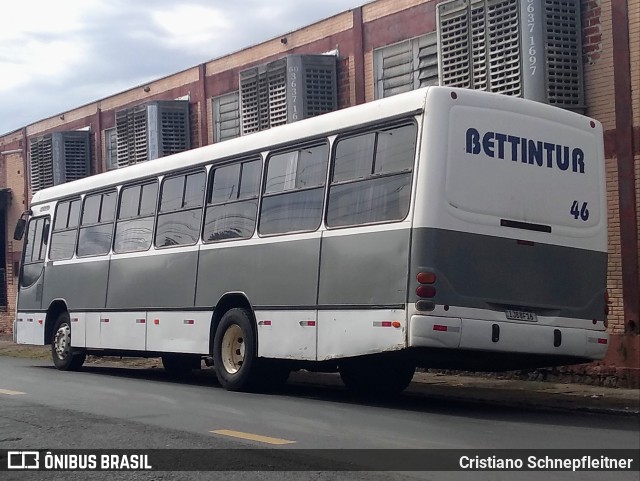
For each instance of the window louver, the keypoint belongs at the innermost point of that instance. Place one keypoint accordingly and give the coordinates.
(58, 157)
(226, 116)
(153, 130)
(406, 65)
(428, 60)
(286, 90)
(485, 44)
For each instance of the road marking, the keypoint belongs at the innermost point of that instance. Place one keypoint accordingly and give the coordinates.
(252, 437)
(11, 393)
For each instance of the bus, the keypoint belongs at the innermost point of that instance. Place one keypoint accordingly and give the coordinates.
(441, 228)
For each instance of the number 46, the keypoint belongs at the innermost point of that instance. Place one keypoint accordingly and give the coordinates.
(576, 211)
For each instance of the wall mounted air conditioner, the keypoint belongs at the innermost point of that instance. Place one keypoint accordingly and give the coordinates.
(152, 130)
(526, 48)
(292, 88)
(59, 157)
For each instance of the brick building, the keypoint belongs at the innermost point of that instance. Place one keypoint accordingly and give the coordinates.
(382, 48)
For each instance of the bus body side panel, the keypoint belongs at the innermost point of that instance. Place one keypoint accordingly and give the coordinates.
(363, 275)
(29, 328)
(81, 283)
(279, 277)
(162, 279)
(271, 274)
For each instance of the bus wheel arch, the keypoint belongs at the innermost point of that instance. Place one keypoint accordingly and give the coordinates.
(230, 300)
(56, 308)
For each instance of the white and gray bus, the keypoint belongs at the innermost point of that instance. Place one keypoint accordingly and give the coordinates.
(443, 228)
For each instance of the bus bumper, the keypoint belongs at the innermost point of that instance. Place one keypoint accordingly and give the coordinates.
(507, 337)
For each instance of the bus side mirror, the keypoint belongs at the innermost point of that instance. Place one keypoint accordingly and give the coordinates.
(19, 232)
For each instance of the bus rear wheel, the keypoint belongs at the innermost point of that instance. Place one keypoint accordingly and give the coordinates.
(65, 357)
(235, 351)
(376, 376)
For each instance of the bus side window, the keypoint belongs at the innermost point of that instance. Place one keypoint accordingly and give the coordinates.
(96, 224)
(180, 213)
(294, 190)
(65, 228)
(232, 204)
(371, 180)
(34, 250)
(136, 213)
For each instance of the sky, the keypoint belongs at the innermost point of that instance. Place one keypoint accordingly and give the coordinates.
(58, 55)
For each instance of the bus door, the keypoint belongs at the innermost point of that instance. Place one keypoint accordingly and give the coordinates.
(32, 271)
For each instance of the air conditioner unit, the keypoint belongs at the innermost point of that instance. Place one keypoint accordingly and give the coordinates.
(59, 157)
(152, 130)
(526, 48)
(292, 88)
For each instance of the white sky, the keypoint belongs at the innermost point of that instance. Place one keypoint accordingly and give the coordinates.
(57, 55)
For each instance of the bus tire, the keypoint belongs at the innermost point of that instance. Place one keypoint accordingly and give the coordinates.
(374, 376)
(180, 364)
(235, 351)
(65, 357)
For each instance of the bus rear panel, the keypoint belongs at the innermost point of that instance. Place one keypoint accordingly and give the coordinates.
(509, 249)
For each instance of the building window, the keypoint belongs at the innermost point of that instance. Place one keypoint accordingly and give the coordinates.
(406, 65)
(226, 116)
(110, 149)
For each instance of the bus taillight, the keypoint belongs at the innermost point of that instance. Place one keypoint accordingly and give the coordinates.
(426, 291)
(426, 277)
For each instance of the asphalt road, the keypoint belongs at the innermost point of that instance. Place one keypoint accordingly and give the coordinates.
(108, 407)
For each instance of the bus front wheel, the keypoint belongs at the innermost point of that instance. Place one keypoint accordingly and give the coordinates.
(65, 357)
(376, 375)
(235, 351)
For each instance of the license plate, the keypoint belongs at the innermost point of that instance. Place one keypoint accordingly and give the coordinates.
(521, 316)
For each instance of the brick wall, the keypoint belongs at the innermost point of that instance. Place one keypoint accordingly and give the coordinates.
(14, 178)
(344, 86)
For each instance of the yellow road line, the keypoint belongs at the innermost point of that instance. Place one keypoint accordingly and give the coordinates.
(11, 393)
(252, 437)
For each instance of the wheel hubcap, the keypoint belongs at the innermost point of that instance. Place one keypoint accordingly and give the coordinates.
(233, 348)
(62, 341)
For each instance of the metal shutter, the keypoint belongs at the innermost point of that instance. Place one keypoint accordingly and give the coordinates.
(428, 60)
(394, 69)
(277, 95)
(503, 55)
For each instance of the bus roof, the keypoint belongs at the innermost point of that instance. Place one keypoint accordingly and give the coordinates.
(403, 104)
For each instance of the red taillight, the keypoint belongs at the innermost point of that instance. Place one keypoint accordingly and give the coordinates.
(438, 327)
(425, 291)
(426, 277)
